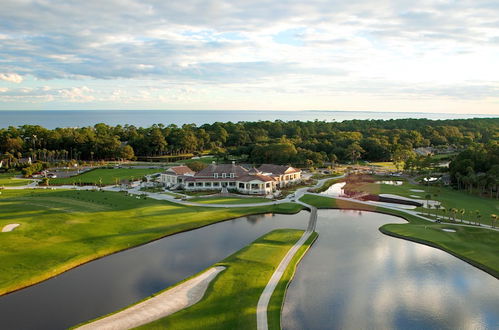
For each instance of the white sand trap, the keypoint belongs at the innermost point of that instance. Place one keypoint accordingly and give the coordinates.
(415, 196)
(391, 182)
(416, 190)
(164, 304)
(335, 190)
(449, 230)
(10, 227)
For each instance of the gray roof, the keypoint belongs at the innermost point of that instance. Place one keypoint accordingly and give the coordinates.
(222, 168)
(277, 169)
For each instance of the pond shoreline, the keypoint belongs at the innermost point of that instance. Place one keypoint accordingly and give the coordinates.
(42, 278)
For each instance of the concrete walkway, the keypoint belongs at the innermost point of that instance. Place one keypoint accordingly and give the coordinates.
(164, 304)
(263, 302)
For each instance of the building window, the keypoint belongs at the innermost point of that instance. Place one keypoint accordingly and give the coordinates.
(216, 184)
(232, 175)
(232, 184)
(199, 184)
(241, 185)
(191, 184)
(224, 175)
(207, 184)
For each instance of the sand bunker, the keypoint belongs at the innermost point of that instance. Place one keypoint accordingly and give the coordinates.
(449, 230)
(335, 190)
(417, 190)
(10, 227)
(164, 304)
(415, 196)
(390, 182)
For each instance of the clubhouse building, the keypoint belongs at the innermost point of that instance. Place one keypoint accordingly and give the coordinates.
(263, 180)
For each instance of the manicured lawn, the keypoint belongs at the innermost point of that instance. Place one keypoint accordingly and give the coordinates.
(477, 246)
(7, 180)
(448, 197)
(61, 229)
(231, 299)
(230, 200)
(108, 176)
(387, 165)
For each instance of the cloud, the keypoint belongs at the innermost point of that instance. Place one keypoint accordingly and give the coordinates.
(11, 77)
(289, 46)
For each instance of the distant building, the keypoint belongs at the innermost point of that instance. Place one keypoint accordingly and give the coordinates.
(424, 151)
(262, 181)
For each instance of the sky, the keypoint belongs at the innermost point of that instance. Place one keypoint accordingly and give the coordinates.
(370, 55)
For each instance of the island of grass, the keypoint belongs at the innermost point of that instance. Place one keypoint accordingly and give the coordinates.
(10, 180)
(477, 246)
(61, 229)
(105, 176)
(229, 200)
(231, 299)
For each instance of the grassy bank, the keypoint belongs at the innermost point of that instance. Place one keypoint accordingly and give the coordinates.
(231, 299)
(105, 176)
(9, 180)
(477, 246)
(61, 229)
(277, 299)
(230, 200)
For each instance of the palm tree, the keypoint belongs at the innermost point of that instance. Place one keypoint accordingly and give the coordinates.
(437, 207)
(478, 216)
(462, 211)
(444, 211)
(453, 211)
(427, 197)
(494, 219)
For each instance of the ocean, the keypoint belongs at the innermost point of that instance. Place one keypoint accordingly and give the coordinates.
(144, 118)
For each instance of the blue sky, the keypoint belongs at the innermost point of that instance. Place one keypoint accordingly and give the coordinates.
(428, 56)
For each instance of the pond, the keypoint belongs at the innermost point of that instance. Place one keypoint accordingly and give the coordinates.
(113, 282)
(354, 277)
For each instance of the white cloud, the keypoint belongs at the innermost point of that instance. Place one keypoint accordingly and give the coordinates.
(11, 77)
(352, 48)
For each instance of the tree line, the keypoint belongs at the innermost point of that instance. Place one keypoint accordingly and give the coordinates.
(294, 142)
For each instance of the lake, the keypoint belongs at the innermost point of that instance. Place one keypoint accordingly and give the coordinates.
(354, 277)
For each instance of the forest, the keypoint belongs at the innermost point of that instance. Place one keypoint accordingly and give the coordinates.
(295, 142)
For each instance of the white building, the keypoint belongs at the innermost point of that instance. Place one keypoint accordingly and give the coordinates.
(175, 175)
(262, 181)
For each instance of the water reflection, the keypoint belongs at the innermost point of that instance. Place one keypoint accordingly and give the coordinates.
(111, 283)
(354, 277)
